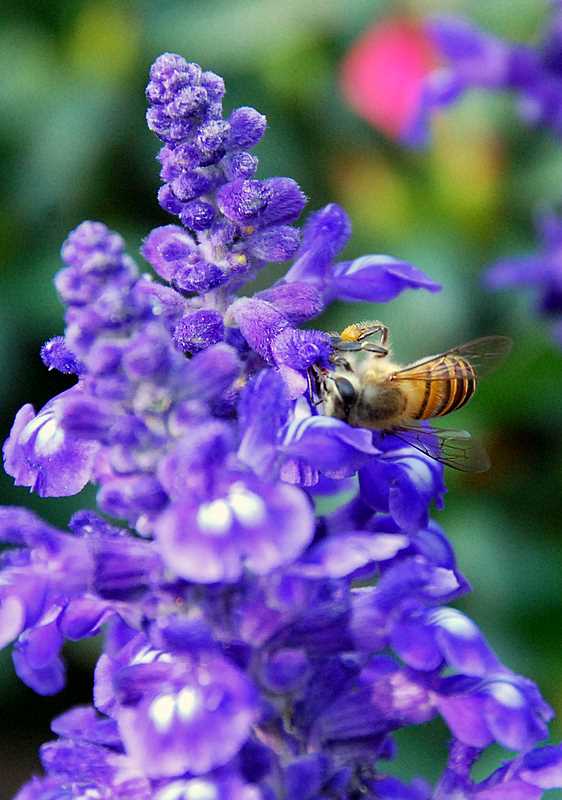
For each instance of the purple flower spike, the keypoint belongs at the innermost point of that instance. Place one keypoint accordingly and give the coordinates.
(540, 272)
(475, 59)
(253, 647)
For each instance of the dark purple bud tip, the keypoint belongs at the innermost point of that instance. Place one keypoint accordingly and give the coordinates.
(243, 200)
(239, 165)
(189, 185)
(197, 215)
(276, 243)
(198, 278)
(56, 354)
(197, 331)
(168, 201)
(247, 126)
(164, 247)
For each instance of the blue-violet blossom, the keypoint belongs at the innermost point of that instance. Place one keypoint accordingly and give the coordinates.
(252, 649)
(473, 59)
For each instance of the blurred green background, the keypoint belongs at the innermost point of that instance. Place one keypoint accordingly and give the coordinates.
(75, 146)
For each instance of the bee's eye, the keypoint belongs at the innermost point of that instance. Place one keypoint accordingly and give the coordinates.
(346, 391)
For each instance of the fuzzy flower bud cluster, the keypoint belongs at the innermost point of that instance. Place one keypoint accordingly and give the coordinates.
(253, 649)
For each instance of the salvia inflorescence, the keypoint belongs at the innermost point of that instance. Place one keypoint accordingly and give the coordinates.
(253, 649)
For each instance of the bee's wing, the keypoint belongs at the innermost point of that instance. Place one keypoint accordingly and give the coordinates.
(456, 449)
(484, 355)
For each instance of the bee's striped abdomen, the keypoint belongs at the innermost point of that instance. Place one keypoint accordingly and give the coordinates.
(441, 396)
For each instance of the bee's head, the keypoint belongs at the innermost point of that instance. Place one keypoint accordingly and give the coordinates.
(339, 395)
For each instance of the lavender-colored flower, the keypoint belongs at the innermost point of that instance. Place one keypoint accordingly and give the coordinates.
(252, 648)
(474, 59)
(540, 272)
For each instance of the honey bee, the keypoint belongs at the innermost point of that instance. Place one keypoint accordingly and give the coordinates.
(367, 389)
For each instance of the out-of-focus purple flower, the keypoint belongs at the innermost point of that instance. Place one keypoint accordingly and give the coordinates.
(474, 59)
(540, 272)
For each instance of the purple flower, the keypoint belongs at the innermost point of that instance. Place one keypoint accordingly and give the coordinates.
(177, 717)
(540, 272)
(403, 482)
(40, 454)
(253, 648)
(244, 522)
(477, 60)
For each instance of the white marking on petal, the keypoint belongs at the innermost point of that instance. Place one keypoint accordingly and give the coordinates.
(405, 693)
(146, 655)
(49, 439)
(418, 469)
(189, 700)
(161, 712)
(215, 518)
(507, 695)
(248, 508)
(172, 792)
(456, 623)
(33, 425)
(198, 789)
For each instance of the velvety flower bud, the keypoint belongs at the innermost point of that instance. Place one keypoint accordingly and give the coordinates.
(259, 322)
(197, 215)
(239, 165)
(197, 277)
(168, 201)
(247, 126)
(189, 185)
(56, 354)
(197, 331)
(275, 243)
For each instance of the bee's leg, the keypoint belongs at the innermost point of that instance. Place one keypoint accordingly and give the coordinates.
(357, 346)
(372, 329)
(359, 331)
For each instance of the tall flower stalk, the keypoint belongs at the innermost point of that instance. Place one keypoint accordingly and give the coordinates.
(253, 649)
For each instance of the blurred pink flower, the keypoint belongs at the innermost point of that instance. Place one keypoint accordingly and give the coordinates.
(383, 72)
